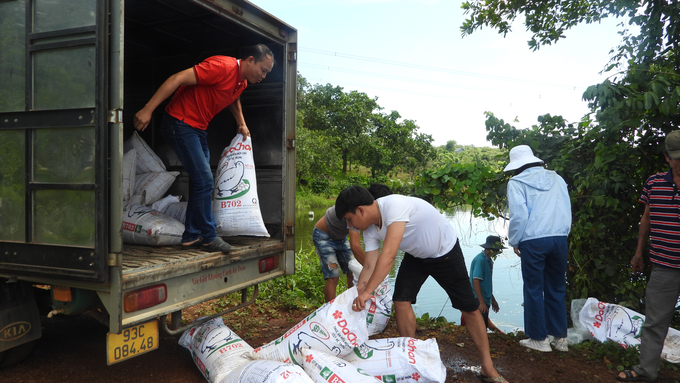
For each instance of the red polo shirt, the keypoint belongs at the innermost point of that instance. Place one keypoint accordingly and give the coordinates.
(219, 85)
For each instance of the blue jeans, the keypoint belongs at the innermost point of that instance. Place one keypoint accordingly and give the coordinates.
(662, 292)
(191, 147)
(544, 268)
(332, 251)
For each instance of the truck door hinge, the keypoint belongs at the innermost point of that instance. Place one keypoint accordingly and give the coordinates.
(290, 229)
(290, 143)
(115, 259)
(292, 56)
(116, 116)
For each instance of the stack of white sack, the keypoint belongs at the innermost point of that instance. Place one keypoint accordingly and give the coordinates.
(333, 328)
(215, 349)
(151, 181)
(331, 345)
(608, 321)
(145, 226)
(380, 307)
(222, 357)
(236, 205)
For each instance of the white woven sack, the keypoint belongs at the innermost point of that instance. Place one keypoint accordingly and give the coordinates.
(215, 349)
(380, 305)
(267, 371)
(129, 171)
(176, 210)
(324, 368)
(163, 202)
(154, 185)
(145, 226)
(400, 360)
(333, 328)
(147, 160)
(236, 206)
(609, 321)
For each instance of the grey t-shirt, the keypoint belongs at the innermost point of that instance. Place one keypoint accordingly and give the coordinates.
(337, 227)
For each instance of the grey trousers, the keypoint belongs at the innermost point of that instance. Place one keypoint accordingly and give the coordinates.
(661, 297)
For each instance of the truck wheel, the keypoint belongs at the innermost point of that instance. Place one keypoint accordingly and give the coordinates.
(15, 355)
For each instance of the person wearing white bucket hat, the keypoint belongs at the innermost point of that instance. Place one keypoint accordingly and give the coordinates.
(540, 220)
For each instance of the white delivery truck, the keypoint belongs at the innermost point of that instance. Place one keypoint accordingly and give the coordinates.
(73, 73)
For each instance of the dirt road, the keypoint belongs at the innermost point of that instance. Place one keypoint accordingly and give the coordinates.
(73, 350)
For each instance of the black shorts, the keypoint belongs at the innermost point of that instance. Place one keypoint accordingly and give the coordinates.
(448, 270)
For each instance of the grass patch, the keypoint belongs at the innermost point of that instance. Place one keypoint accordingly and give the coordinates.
(304, 289)
(310, 201)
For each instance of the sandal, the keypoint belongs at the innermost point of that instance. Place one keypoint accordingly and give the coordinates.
(217, 245)
(489, 379)
(629, 377)
(193, 245)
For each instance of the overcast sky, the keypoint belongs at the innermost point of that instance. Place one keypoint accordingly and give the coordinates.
(412, 57)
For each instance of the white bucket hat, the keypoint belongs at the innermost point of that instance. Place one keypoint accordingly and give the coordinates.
(519, 156)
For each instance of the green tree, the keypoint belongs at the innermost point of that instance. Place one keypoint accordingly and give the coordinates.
(345, 117)
(389, 144)
(314, 154)
(605, 157)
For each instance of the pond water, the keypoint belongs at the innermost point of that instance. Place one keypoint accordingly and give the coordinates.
(472, 232)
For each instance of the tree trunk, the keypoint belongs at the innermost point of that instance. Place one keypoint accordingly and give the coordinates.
(344, 161)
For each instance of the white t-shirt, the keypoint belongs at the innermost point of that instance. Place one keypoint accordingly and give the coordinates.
(428, 233)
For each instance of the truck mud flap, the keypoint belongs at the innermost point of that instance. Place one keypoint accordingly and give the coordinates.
(19, 317)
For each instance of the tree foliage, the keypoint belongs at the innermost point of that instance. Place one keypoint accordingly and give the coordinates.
(335, 127)
(314, 154)
(343, 116)
(606, 157)
(389, 144)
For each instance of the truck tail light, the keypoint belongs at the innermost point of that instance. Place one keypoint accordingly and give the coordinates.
(268, 264)
(144, 298)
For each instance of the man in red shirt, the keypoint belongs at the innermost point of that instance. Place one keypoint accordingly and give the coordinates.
(200, 93)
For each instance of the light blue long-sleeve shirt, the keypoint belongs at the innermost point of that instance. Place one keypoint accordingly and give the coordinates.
(539, 206)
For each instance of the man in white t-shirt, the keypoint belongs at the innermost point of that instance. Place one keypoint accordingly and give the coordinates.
(431, 249)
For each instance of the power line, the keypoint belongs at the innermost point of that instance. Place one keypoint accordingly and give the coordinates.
(435, 69)
(416, 80)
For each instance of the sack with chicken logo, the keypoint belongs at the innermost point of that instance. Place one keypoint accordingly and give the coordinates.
(236, 205)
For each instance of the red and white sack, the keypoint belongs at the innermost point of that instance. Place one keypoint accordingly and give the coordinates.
(324, 368)
(236, 206)
(145, 226)
(380, 306)
(333, 328)
(608, 321)
(147, 160)
(400, 360)
(267, 371)
(215, 349)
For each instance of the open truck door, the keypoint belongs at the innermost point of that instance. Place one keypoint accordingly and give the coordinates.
(53, 138)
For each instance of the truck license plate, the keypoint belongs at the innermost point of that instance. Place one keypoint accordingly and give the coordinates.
(132, 342)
